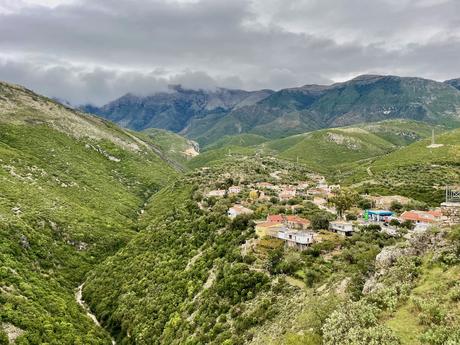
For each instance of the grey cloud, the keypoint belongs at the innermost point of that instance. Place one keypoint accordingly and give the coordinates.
(99, 85)
(96, 50)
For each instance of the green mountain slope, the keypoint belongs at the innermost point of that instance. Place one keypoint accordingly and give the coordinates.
(416, 171)
(174, 146)
(208, 116)
(174, 109)
(71, 189)
(192, 276)
(242, 140)
(327, 148)
(366, 98)
(184, 279)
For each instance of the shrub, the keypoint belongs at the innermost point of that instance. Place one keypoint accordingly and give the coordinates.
(396, 206)
(454, 293)
(395, 222)
(350, 216)
(356, 323)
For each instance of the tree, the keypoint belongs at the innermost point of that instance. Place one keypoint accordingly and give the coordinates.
(396, 206)
(344, 200)
(364, 204)
(3, 338)
(274, 258)
(253, 194)
(351, 216)
(319, 222)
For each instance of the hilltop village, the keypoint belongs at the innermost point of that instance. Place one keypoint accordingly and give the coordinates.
(299, 208)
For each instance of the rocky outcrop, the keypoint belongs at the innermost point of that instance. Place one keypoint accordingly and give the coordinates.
(416, 246)
(451, 211)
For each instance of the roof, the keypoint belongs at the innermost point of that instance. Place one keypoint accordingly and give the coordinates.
(240, 208)
(380, 212)
(435, 213)
(275, 218)
(421, 216)
(342, 222)
(297, 219)
(269, 224)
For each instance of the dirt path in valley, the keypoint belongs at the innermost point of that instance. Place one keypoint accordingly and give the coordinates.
(80, 301)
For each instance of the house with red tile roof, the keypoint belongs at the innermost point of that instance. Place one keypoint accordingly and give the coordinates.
(297, 222)
(291, 221)
(421, 216)
(275, 218)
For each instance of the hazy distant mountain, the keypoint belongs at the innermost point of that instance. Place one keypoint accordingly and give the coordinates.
(454, 82)
(173, 110)
(207, 116)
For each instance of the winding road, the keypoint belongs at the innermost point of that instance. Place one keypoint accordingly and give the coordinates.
(80, 301)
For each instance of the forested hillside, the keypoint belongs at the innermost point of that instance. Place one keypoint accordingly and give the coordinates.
(70, 193)
(194, 276)
(161, 260)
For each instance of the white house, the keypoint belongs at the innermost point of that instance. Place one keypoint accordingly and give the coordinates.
(266, 185)
(287, 194)
(234, 190)
(342, 228)
(237, 210)
(302, 185)
(296, 239)
(217, 192)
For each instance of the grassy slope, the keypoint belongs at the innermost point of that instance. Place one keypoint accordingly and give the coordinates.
(242, 140)
(324, 148)
(435, 284)
(415, 170)
(212, 157)
(64, 207)
(334, 146)
(171, 144)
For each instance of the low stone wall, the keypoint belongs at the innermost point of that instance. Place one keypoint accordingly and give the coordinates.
(451, 210)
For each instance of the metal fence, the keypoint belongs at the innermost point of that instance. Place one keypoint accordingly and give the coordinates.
(452, 193)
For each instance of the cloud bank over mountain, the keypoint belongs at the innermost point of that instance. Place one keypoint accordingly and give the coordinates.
(96, 50)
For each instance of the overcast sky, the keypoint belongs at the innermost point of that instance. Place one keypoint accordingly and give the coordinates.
(96, 50)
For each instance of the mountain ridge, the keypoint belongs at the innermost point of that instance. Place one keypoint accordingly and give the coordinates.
(208, 116)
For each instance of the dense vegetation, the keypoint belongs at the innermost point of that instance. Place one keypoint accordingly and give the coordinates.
(161, 261)
(175, 147)
(66, 203)
(182, 280)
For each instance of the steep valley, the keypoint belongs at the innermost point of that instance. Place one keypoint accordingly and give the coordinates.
(137, 230)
